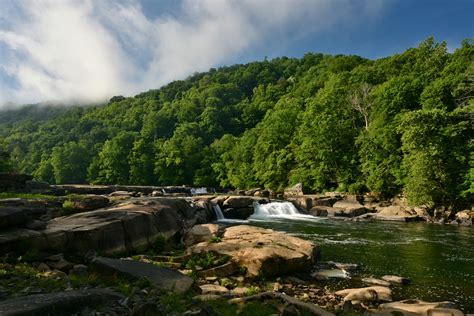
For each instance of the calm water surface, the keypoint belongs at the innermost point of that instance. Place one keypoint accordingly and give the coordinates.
(439, 259)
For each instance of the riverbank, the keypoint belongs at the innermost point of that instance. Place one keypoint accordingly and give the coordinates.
(49, 245)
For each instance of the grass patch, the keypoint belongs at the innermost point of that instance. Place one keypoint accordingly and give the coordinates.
(205, 261)
(215, 239)
(11, 195)
(69, 207)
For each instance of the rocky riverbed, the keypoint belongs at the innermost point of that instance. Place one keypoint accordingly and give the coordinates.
(154, 252)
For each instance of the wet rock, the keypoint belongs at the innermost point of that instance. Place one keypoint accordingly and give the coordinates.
(56, 257)
(67, 302)
(330, 273)
(200, 233)
(396, 279)
(262, 251)
(366, 294)
(157, 193)
(376, 281)
(238, 213)
(417, 307)
(242, 201)
(161, 278)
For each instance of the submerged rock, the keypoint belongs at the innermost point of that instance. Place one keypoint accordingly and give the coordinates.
(262, 251)
(376, 281)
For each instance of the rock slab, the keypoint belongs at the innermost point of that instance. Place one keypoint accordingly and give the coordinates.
(62, 303)
(262, 251)
(159, 277)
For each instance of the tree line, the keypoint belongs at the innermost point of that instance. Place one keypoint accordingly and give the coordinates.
(400, 124)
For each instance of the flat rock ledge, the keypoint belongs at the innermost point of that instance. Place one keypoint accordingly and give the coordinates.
(159, 277)
(126, 227)
(416, 308)
(261, 251)
(62, 303)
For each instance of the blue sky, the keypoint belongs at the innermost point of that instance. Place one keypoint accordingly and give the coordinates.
(87, 50)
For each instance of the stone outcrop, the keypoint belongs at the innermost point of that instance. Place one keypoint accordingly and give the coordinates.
(62, 303)
(262, 251)
(126, 227)
(159, 277)
(296, 190)
(200, 233)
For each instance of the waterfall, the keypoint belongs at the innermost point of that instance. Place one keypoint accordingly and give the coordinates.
(218, 212)
(278, 210)
(198, 191)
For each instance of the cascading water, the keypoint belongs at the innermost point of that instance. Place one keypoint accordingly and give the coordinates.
(218, 212)
(195, 191)
(277, 210)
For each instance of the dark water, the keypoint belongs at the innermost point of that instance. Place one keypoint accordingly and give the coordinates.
(438, 259)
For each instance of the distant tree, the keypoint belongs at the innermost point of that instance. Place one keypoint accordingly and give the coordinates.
(69, 163)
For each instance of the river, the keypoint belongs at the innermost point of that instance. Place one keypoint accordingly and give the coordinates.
(439, 259)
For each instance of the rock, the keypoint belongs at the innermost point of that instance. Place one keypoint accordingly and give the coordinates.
(207, 297)
(36, 225)
(330, 273)
(296, 190)
(325, 201)
(224, 270)
(262, 251)
(238, 213)
(366, 294)
(375, 281)
(239, 291)
(277, 287)
(417, 307)
(213, 289)
(262, 193)
(350, 207)
(56, 257)
(200, 233)
(325, 211)
(126, 227)
(14, 181)
(63, 265)
(148, 308)
(307, 308)
(67, 302)
(43, 267)
(242, 201)
(79, 270)
(161, 278)
(122, 194)
(396, 279)
(157, 193)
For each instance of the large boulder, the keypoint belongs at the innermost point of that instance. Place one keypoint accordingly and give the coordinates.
(350, 207)
(88, 203)
(125, 227)
(14, 181)
(159, 277)
(417, 307)
(366, 294)
(16, 212)
(296, 190)
(200, 233)
(61, 303)
(262, 251)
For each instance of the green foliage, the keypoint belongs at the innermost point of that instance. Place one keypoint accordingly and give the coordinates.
(215, 239)
(68, 207)
(330, 122)
(205, 260)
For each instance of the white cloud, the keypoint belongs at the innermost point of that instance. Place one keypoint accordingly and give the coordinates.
(71, 50)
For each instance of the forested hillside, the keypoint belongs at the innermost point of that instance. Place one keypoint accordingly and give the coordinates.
(402, 124)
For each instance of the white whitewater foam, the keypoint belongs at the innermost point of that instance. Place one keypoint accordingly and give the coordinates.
(278, 210)
(218, 212)
(199, 191)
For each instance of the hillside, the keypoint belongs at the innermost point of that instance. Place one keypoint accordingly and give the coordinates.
(401, 124)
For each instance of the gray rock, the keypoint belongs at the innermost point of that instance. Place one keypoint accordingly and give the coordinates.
(79, 270)
(62, 303)
(36, 225)
(63, 265)
(161, 278)
(376, 281)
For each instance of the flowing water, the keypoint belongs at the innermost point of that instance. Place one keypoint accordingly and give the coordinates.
(439, 259)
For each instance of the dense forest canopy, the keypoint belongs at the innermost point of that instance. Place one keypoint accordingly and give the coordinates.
(401, 124)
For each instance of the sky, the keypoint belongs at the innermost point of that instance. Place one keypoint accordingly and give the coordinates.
(82, 51)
